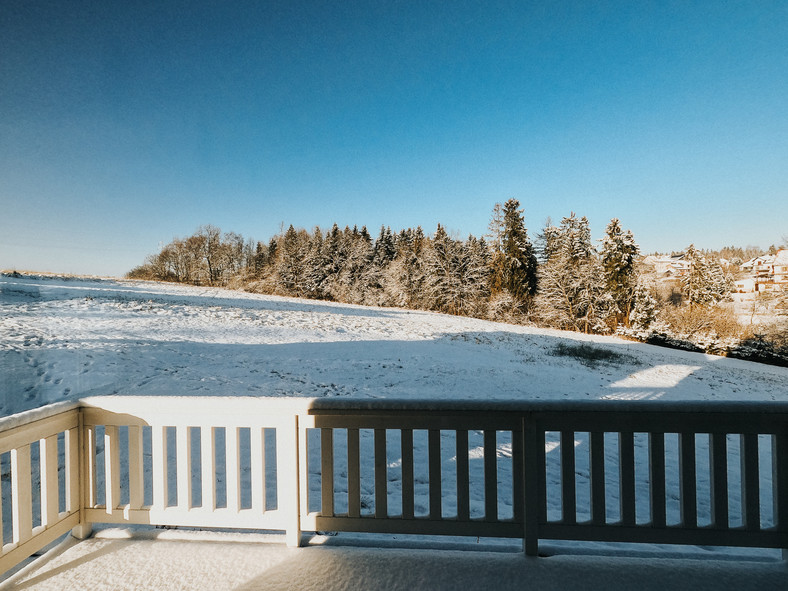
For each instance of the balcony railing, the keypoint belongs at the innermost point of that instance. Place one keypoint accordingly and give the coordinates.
(529, 470)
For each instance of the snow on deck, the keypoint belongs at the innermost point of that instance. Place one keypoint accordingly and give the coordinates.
(196, 560)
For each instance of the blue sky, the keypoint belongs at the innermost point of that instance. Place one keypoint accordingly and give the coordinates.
(126, 124)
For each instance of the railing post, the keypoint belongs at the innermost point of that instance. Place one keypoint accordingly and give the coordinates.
(85, 528)
(531, 486)
(289, 469)
(780, 485)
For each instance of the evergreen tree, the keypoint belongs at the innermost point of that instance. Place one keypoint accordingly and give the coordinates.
(315, 266)
(513, 262)
(644, 309)
(698, 282)
(618, 256)
(572, 291)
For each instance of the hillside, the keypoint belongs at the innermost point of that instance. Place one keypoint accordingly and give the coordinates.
(69, 337)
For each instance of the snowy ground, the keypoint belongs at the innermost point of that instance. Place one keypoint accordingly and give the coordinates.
(68, 338)
(193, 561)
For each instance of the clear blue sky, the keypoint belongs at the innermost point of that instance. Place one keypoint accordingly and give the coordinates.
(126, 124)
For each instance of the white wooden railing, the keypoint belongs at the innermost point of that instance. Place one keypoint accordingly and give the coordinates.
(530, 470)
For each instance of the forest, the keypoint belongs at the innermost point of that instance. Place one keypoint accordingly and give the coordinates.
(560, 279)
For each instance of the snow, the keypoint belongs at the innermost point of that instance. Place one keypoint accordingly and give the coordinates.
(71, 338)
(62, 339)
(116, 560)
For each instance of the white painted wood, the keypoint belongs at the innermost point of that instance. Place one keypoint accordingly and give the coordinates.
(257, 458)
(750, 482)
(21, 495)
(136, 468)
(463, 476)
(111, 468)
(233, 468)
(381, 476)
(291, 418)
(40, 429)
(159, 463)
(50, 497)
(568, 494)
(408, 492)
(687, 480)
(434, 472)
(184, 466)
(656, 445)
(291, 450)
(490, 475)
(354, 474)
(72, 470)
(89, 453)
(327, 472)
(208, 467)
(596, 443)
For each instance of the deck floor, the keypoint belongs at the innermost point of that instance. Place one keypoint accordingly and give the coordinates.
(166, 562)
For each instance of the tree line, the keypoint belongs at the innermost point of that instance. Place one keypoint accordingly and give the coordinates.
(560, 279)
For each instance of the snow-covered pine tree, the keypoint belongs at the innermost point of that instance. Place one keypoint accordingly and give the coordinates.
(618, 256)
(644, 310)
(334, 256)
(572, 293)
(315, 266)
(698, 283)
(290, 267)
(520, 261)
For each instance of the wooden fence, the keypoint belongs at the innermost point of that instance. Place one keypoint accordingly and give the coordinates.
(529, 470)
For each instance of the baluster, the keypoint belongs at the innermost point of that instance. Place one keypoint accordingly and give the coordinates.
(233, 473)
(463, 476)
(136, 468)
(780, 482)
(518, 495)
(490, 476)
(111, 469)
(656, 469)
(540, 448)
(208, 467)
(626, 466)
(381, 477)
(434, 445)
(49, 486)
(21, 494)
(750, 481)
(718, 477)
(353, 474)
(687, 480)
(408, 492)
(534, 493)
(184, 467)
(72, 470)
(159, 461)
(596, 441)
(90, 472)
(568, 494)
(327, 471)
(257, 457)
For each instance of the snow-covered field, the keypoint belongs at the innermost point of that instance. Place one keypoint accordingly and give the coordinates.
(69, 338)
(66, 338)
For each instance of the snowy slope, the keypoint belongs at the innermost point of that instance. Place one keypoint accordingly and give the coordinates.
(67, 338)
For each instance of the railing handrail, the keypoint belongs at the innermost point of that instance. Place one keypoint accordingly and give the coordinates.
(305, 405)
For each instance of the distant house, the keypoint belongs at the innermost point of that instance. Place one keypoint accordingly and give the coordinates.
(746, 285)
(780, 269)
(670, 266)
(769, 272)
